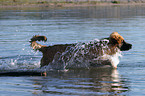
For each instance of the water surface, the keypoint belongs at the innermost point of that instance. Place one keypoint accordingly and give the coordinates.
(71, 25)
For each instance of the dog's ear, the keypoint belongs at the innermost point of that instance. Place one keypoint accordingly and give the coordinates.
(115, 39)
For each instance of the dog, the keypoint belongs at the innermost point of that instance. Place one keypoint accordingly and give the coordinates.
(115, 42)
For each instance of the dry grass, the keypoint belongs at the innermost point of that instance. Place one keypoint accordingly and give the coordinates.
(55, 3)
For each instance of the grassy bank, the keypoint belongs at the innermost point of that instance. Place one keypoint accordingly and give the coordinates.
(60, 3)
(49, 2)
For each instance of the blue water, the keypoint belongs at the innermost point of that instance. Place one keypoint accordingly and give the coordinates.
(71, 25)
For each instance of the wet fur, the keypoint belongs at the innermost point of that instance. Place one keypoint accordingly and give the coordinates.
(115, 41)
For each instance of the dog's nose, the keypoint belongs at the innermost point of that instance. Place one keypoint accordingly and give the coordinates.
(131, 46)
(125, 46)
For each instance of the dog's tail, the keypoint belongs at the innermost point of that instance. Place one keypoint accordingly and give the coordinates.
(35, 45)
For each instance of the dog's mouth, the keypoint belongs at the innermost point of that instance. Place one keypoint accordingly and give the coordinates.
(125, 46)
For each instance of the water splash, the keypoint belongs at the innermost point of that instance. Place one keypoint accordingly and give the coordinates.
(85, 55)
(82, 55)
(18, 62)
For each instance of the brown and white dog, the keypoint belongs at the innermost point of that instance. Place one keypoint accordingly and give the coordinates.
(116, 41)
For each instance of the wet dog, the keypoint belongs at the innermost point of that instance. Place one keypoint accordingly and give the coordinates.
(115, 42)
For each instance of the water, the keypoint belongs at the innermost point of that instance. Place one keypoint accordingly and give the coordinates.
(72, 25)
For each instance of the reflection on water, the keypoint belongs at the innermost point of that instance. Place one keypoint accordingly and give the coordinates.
(101, 81)
(116, 11)
(97, 81)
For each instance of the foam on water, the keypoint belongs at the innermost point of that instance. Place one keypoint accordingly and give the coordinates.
(18, 63)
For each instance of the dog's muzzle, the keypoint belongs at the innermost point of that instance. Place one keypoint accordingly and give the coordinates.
(125, 46)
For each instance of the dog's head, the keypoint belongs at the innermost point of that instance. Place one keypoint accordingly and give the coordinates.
(117, 40)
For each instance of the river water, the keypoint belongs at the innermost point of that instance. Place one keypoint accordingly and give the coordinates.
(71, 25)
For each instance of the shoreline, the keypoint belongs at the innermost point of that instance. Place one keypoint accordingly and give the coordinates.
(63, 5)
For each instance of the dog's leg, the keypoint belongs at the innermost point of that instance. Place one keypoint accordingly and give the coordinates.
(50, 51)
